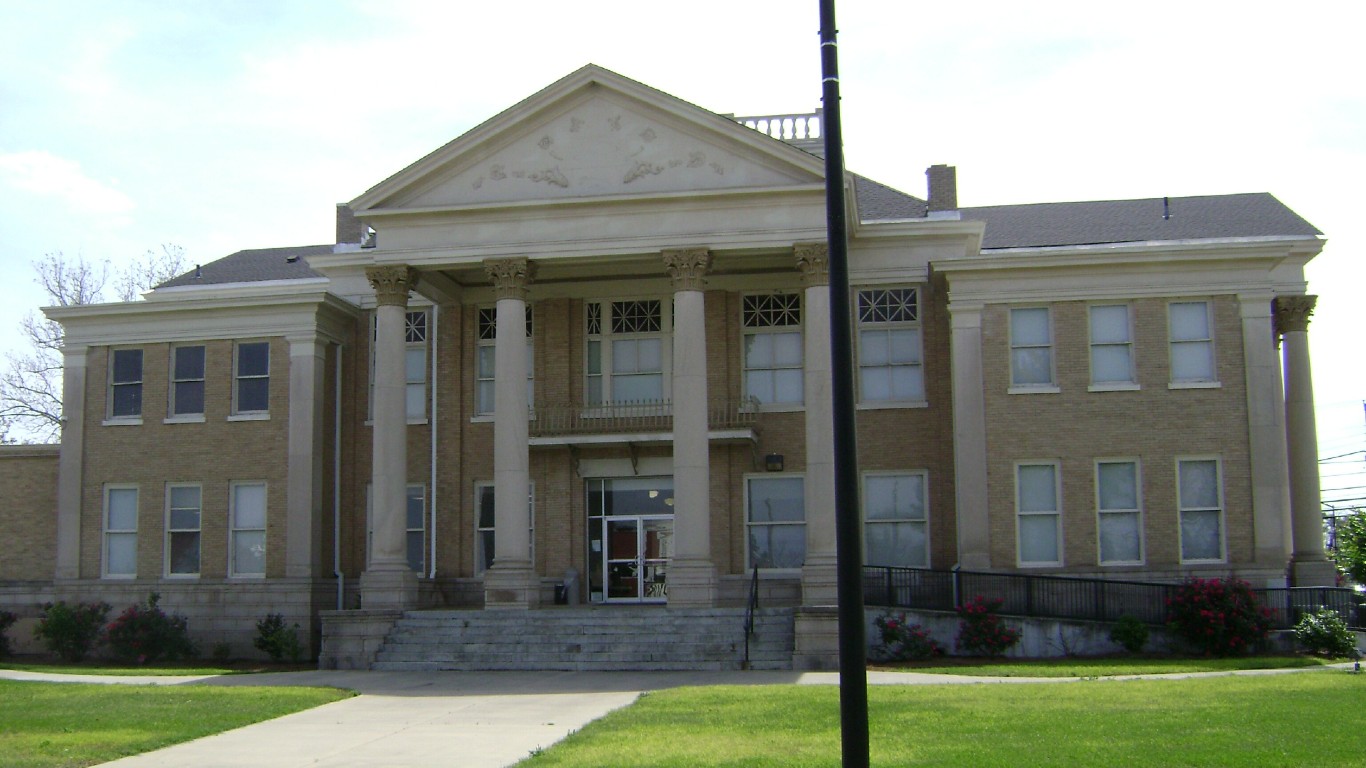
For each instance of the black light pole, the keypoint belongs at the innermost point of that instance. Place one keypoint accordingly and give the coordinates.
(848, 545)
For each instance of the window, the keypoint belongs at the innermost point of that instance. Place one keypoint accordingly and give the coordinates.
(890, 356)
(1200, 496)
(775, 522)
(484, 522)
(1038, 513)
(1118, 501)
(120, 532)
(247, 530)
(182, 530)
(414, 526)
(1112, 355)
(1031, 348)
(125, 384)
(485, 385)
(414, 364)
(1192, 342)
(773, 347)
(894, 520)
(251, 393)
(627, 351)
(187, 381)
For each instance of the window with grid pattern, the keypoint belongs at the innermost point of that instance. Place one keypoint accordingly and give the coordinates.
(773, 347)
(890, 354)
(486, 389)
(627, 355)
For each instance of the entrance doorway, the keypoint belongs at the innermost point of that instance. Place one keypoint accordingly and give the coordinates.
(630, 539)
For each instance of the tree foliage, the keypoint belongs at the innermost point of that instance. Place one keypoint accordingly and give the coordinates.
(31, 381)
(1349, 550)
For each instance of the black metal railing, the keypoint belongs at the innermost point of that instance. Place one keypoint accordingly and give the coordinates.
(1066, 597)
(751, 607)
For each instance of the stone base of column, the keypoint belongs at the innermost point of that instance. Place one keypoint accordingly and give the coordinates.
(692, 584)
(817, 641)
(388, 590)
(820, 581)
(1313, 572)
(512, 587)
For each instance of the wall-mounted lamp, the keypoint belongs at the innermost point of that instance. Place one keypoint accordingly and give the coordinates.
(773, 462)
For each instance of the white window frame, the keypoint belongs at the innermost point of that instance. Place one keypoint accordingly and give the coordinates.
(131, 384)
(757, 321)
(923, 522)
(1051, 385)
(1055, 513)
(1127, 345)
(1136, 512)
(485, 334)
(171, 530)
(1219, 509)
(110, 533)
(750, 525)
(1207, 341)
(234, 530)
(606, 337)
(869, 324)
(238, 412)
(173, 414)
(479, 531)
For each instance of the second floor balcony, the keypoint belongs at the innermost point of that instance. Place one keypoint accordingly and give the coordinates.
(649, 421)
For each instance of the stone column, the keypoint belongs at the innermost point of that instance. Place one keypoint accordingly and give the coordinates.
(1310, 565)
(511, 582)
(819, 574)
(970, 438)
(692, 575)
(303, 502)
(388, 583)
(1266, 435)
(70, 463)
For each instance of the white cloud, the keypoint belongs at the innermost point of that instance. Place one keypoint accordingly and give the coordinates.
(42, 173)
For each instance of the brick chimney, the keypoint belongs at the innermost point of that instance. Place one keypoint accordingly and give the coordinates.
(943, 186)
(349, 228)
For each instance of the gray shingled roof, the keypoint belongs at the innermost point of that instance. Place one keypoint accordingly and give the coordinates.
(253, 266)
(1255, 214)
(879, 202)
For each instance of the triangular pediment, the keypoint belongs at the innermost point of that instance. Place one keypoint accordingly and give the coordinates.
(593, 134)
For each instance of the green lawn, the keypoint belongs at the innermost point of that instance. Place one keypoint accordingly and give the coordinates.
(46, 725)
(1107, 667)
(1313, 718)
(117, 670)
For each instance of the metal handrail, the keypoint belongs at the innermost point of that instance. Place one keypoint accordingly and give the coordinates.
(634, 416)
(751, 607)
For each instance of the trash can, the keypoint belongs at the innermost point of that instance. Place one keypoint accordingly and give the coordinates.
(569, 588)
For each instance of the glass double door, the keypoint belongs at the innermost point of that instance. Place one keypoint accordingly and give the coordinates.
(630, 539)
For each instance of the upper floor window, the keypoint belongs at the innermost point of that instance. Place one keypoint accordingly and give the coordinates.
(1118, 504)
(1112, 348)
(890, 354)
(182, 530)
(120, 531)
(251, 385)
(486, 387)
(1038, 513)
(1200, 499)
(1031, 347)
(414, 364)
(775, 521)
(628, 352)
(1192, 342)
(187, 381)
(895, 531)
(773, 347)
(125, 384)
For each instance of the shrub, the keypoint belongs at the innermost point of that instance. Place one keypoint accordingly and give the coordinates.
(1349, 546)
(1129, 633)
(278, 640)
(143, 634)
(1218, 617)
(7, 620)
(900, 641)
(980, 631)
(72, 632)
(1325, 633)
(222, 652)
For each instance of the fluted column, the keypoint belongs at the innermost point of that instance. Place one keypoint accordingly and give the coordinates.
(388, 583)
(512, 581)
(969, 438)
(1311, 566)
(692, 575)
(819, 573)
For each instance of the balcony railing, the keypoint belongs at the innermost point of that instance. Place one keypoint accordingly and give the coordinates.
(653, 416)
(791, 127)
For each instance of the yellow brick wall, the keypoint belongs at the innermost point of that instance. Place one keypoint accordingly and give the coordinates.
(28, 512)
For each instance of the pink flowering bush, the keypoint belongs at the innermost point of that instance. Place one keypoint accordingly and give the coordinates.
(1218, 617)
(900, 641)
(144, 633)
(980, 631)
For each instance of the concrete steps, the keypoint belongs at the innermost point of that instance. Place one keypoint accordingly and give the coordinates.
(596, 638)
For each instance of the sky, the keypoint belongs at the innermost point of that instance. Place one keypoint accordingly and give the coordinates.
(218, 126)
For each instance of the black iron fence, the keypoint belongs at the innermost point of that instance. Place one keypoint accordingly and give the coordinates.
(1066, 597)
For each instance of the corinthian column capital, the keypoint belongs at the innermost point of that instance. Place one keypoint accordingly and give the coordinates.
(392, 284)
(1292, 313)
(510, 277)
(687, 266)
(813, 261)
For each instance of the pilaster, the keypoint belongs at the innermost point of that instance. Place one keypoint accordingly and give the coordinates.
(303, 539)
(70, 462)
(1266, 438)
(970, 437)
